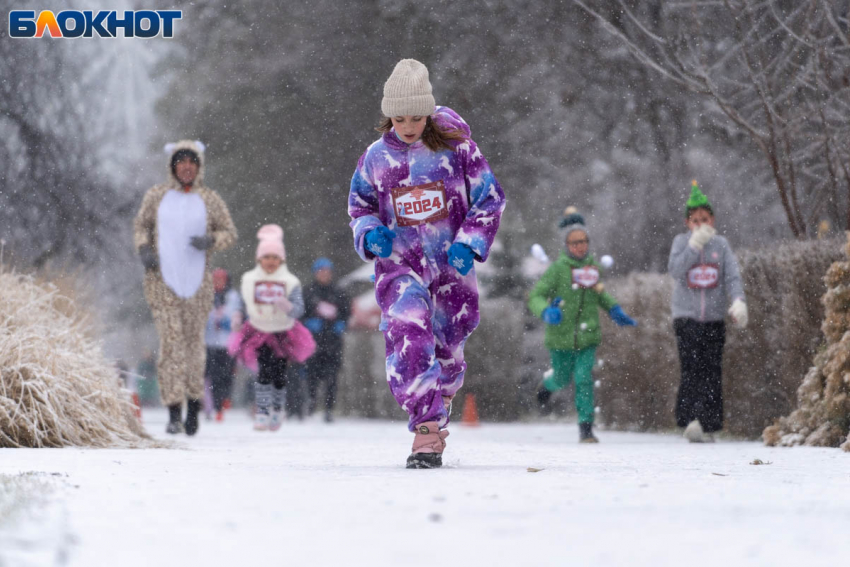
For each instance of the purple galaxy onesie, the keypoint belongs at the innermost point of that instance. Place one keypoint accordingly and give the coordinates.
(431, 200)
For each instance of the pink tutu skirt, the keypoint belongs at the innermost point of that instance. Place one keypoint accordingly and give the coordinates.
(295, 344)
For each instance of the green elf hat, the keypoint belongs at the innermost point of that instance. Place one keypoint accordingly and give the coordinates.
(697, 200)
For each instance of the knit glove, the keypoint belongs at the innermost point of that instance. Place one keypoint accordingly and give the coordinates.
(379, 241)
(552, 315)
(339, 327)
(739, 314)
(461, 257)
(202, 242)
(314, 324)
(148, 256)
(701, 236)
(620, 318)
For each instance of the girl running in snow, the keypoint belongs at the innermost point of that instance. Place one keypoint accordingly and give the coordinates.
(272, 335)
(425, 205)
(705, 272)
(568, 298)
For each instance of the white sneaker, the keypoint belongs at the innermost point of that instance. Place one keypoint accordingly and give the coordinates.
(276, 420)
(695, 434)
(261, 422)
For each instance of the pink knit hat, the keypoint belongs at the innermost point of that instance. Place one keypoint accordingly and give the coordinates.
(271, 241)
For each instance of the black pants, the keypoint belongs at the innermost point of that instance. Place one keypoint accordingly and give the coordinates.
(323, 367)
(272, 370)
(701, 356)
(220, 372)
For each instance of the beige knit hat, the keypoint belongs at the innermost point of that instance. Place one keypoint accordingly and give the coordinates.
(408, 92)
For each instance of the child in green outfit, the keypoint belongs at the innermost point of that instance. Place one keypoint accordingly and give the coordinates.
(568, 298)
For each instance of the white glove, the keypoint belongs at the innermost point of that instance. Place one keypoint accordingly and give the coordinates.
(701, 236)
(283, 304)
(738, 311)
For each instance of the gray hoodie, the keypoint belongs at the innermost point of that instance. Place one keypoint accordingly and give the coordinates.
(703, 279)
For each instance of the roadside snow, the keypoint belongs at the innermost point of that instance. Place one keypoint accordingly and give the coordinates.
(33, 523)
(317, 494)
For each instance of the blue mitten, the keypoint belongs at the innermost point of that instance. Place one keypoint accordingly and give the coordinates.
(461, 257)
(379, 241)
(620, 318)
(552, 315)
(339, 327)
(314, 324)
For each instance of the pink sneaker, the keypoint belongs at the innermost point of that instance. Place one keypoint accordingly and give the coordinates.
(261, 421)
(276, 420)
(428, 445)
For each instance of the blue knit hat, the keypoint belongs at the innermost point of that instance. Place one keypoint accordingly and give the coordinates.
(321, 264)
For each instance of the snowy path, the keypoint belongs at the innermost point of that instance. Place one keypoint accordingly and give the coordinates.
(314, 494)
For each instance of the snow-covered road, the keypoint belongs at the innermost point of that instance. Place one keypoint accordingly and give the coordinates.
(317, 494)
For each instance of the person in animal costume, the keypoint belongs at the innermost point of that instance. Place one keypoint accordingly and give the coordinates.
(180, 223)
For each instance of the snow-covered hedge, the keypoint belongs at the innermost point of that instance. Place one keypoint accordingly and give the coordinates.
(762, 366)
(56, 386)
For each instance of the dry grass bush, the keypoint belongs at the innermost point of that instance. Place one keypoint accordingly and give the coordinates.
(56, 387)
(822, 417)
(762, 366)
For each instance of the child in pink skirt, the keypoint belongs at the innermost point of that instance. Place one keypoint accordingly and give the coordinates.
(272, 334)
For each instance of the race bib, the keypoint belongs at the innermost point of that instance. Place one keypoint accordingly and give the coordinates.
(420, 204)
(586, 277)
(704, 276)
(266, 293)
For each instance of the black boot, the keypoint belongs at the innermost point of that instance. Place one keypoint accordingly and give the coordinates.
(543, 397)
(424, 461)
(174, 425)
(193, 408)
(585, 433)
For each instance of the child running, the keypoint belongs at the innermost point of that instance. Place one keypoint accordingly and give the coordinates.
(705, 272)
(568, 298)
(272, 335)
(425, 205)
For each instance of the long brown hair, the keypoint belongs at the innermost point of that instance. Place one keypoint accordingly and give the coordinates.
(434, 136)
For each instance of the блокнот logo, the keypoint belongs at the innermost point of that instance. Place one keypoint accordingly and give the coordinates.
(86, 23)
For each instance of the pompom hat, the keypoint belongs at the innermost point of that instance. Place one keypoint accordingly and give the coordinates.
(271, 241)
(408, 91)
(572, 221)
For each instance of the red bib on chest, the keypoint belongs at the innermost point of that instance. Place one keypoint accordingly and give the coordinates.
(586, 277)
(704, 276)
(420, 204)
(266, 293)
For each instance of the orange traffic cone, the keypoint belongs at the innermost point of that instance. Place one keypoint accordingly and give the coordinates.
(470, 411)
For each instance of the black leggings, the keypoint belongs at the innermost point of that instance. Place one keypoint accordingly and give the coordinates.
(272, 368)
(323, 367)
(701, 356)
(220, 373)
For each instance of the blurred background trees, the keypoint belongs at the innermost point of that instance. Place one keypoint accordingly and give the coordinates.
(611, 105)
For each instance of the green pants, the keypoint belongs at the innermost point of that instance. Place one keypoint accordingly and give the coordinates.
(578, 363)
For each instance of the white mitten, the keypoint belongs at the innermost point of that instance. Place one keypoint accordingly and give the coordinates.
(701, 236)
(738, 311)
(283, 304)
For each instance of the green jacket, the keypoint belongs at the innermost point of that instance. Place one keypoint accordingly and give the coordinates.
(579, 328)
